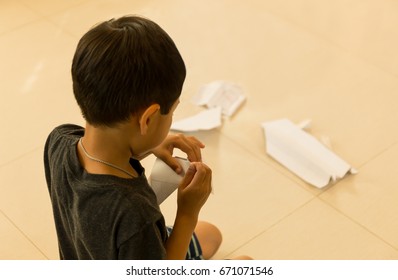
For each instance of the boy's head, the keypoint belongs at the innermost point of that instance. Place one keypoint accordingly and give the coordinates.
(124, 65)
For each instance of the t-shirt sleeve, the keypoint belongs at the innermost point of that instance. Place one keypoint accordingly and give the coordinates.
(52, 153)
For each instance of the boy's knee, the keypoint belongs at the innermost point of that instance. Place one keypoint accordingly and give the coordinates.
(210, 238)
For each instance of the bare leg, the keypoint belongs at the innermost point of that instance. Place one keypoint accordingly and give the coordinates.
(242, 257)
(210, 238)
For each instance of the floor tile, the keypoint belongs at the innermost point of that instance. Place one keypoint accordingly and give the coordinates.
(48, 7)
(15, 246)
(14, 15)
(365, 28)
(25, 201)
(246, 190)
(38, 87)
(317, 231)
(78, 20)
(370, 197)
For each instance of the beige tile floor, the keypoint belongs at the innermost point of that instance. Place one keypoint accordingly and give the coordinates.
(330, 61)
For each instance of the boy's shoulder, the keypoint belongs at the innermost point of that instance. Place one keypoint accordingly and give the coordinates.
(67, 130)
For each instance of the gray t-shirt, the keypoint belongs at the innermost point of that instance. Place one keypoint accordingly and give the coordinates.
(100, 216)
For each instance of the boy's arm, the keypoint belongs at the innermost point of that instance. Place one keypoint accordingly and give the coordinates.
(193, 192)
(178, 242)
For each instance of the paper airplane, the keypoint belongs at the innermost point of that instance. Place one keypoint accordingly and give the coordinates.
(303, 154)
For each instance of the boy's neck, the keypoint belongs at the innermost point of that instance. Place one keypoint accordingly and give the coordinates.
(110, 145)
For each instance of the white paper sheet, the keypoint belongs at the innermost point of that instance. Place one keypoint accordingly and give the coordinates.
(205, 120)
(164, 180)
(222, 94)
(303, 154)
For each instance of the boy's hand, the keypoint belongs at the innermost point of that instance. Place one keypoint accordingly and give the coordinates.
(194, 189)
(193, 192)
(188, 144)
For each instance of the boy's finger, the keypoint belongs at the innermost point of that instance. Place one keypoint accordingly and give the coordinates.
(189, 175)
(191, 146)
(174, 164)
(171, 161)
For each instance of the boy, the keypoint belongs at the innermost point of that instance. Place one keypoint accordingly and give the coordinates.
(127, 78)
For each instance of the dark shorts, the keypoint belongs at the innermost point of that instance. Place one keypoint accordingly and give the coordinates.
(194, 249)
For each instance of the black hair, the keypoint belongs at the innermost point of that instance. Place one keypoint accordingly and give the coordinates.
(124, 65)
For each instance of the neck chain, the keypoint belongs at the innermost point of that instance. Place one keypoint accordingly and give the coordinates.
(103, 162)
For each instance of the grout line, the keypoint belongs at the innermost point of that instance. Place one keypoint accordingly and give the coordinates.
(262, 159)
(359, 224)
(47, 17)
(16, 28)
(379, 154)
(24, 235)
(300, 207)
(61, 28)
(272, 225)
(19, 157)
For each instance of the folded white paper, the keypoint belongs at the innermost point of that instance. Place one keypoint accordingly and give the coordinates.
(222, 94)
(164, 180)
(303, 154)
(205, 120)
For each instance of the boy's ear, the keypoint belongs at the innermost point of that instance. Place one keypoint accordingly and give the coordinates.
(147, 117)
